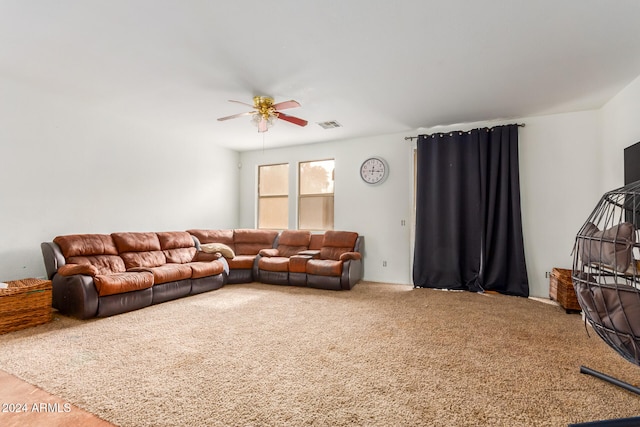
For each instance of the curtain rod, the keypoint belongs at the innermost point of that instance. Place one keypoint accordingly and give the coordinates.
(411, 138)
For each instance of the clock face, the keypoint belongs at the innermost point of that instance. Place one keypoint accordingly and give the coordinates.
(373, 170)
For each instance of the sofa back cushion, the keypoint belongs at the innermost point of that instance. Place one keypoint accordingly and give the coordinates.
(335, 243)
(86, 244)
(136, 242)
(139, 249)
(178, 246)
(315, 243)
(214, 236)
(291, 242)
(250, 241)
(98, 250)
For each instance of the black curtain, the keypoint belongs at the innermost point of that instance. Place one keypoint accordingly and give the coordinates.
(468, 220)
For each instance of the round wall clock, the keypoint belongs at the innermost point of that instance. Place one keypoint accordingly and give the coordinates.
(374, 170)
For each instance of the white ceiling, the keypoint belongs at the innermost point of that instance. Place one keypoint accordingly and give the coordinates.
(376, 67)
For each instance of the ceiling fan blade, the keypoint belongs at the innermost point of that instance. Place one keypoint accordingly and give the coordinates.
(286, 104)
(248, 113)
(291, 119)
(243, 103)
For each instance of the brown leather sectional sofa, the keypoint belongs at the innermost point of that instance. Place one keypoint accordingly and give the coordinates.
(105, 274)
(332, 260)
(244, 245)
(99, 275)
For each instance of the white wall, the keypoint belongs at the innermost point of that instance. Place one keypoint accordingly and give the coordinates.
(66, 167)
(375, 212)
(620, 129)
(560, 172)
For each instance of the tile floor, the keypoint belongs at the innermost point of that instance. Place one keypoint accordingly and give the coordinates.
(39, 408)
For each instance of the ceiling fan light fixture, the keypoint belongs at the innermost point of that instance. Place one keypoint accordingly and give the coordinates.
(266, 114)
(264, 121)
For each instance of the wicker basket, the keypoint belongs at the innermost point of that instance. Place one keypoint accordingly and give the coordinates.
(561, 290)
(25, 303)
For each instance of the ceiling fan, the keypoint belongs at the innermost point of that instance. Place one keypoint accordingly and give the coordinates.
(266, 112)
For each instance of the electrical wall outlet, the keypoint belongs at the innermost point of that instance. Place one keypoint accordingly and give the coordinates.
(384, 263)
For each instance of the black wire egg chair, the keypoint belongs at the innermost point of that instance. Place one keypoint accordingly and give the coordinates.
(606, 278)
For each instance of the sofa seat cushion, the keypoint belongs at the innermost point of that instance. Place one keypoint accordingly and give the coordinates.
(277, 263)
(111, 284)
(324, 267)
(168, 272)
(205, 269)
(241, 262)
(298, 263)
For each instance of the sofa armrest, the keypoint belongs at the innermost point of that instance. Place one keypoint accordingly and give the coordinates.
(350, 255)
(75, 295)
(313, 253)
(270, 252)
(53, 258)
(351, 273)
(205, 256)
(72, 269)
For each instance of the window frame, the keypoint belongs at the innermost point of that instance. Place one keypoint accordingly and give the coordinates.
(316, 195)
(272, 196)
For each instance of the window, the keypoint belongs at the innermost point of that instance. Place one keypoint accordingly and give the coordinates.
(315, 202)
(273, 196)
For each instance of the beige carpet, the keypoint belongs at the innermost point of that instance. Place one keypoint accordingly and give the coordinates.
(379, 355)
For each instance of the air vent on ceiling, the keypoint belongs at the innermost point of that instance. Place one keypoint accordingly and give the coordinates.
(330, 124)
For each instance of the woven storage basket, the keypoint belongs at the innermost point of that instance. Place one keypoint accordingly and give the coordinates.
(561, 290)
(25, 303)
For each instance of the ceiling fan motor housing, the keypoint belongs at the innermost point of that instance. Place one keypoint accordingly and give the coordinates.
(264, 105)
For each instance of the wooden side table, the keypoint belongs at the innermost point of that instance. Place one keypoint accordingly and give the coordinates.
(561, 290)
(25, 303)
